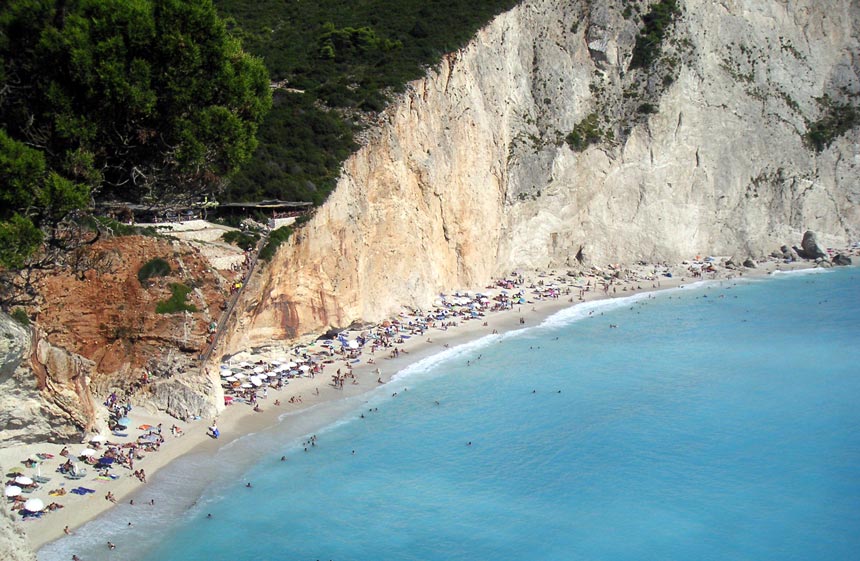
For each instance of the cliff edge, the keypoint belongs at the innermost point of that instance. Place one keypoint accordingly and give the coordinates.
(551, 139)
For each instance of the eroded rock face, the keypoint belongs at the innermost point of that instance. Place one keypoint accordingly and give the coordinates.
(43, 389)
(468, 175)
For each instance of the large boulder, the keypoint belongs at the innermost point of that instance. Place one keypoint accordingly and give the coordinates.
(750, 264)
(842, 260)
(809, 247)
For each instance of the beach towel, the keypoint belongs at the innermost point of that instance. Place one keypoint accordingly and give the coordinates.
(108, 477)
(120, 434)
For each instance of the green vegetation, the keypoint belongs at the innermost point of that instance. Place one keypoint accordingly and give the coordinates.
(276, 238)
(341, 61)
(241, 239)
(176, 302)
(157, 267)
(21, 317)
(585, 133)
(133, 99)
(836, 119)
(656, 25)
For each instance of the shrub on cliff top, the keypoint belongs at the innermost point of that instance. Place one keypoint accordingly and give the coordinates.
(176, 302)
(157, 267)
(276, 238)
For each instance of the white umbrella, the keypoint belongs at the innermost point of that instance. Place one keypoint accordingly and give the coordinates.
(87, 452)
(240, 375)
(263, 375)
(231, 379)
(244, 364)
(23, 480)
(246, 385)
(12, 491)
(259, 370)
(34, 505)
(291, 365)
(304, 368)
(226, 373)
(98, 438)
(353, 344)
(256, 381)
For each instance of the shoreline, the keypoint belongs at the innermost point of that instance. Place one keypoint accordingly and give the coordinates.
(239, 420)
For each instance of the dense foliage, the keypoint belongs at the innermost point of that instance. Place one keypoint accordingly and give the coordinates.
(656, 23)
(276, 238)
(177, 301)
(132, 99)
(836, 119)
(585, 133)
(340, 61)
(245, 240)
(157, 267)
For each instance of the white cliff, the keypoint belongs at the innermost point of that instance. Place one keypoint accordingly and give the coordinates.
(467, 174)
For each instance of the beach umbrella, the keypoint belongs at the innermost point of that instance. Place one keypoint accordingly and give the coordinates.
(87, 452)
(304, 368)
(34, 505)
(98, 438)
(255, 381)
(240, 375)
(247, 385)
(23, 480)
(106, 461)
(231, 379)
(244, 364)
(12, 491)
(226, 373)
(259, 370)
(125, 421)
(353, 344)
(291, 365)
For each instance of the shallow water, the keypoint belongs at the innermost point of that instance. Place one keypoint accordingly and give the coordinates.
(715, 422)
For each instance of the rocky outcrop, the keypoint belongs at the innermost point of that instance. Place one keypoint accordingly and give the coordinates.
(809, 247)
(469, 174)
(841, 260)
(196, 394)
(43, 389)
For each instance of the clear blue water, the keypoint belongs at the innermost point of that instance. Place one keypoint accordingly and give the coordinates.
(717, 422)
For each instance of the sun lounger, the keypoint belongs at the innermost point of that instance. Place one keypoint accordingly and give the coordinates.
(41, 479)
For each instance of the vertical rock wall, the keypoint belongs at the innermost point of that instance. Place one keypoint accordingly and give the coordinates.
(468, 175)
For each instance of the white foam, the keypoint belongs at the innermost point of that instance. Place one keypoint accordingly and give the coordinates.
(812, 271)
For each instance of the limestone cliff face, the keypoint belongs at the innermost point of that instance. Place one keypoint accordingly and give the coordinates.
(468, 174)
(44, 392)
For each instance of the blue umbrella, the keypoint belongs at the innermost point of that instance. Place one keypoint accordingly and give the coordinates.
(106, 461)
(124, 421)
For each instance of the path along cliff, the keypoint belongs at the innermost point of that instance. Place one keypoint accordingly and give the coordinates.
(541, 144)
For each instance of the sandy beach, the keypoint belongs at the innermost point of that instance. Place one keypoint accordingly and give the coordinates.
(240, 418)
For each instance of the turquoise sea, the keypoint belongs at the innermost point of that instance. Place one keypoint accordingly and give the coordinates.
(716, 422)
